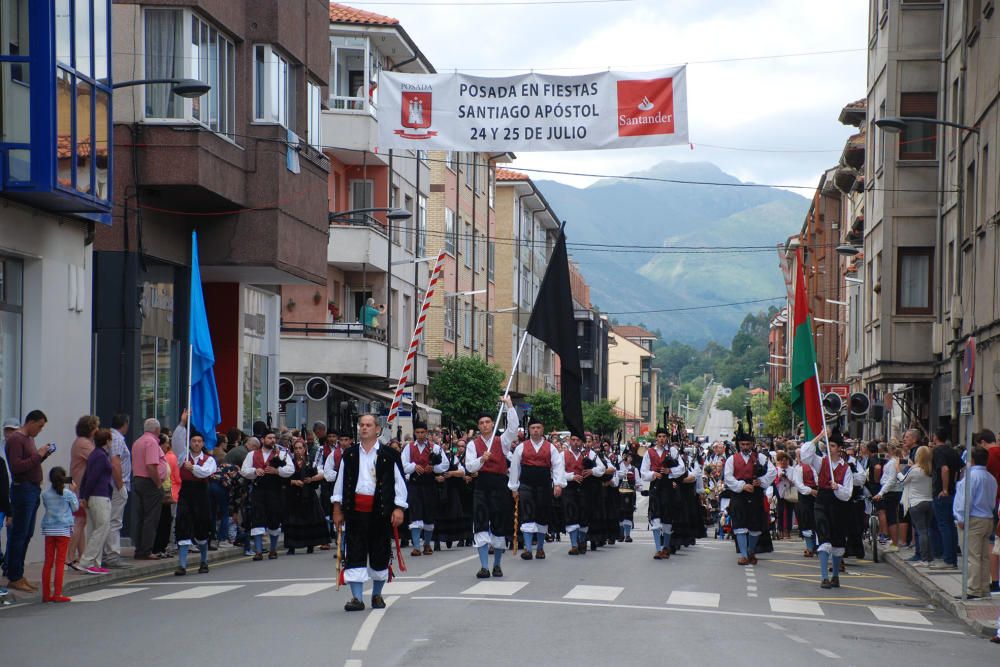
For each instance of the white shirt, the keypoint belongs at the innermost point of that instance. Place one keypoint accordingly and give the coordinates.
(890, 481)
(736, 485)
(287, 470)
(331, 466)
(680, 470)
(409, 466)
(809, 456)
(366, 478)
(472, 461)
(556, 464)
(205, 470)
(797, 478)
(597, 470)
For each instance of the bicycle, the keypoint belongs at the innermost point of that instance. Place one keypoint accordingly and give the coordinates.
(872, 533)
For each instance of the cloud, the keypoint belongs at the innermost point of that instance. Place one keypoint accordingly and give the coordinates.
(789, 103)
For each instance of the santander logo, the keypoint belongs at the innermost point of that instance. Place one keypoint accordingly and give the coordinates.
(645, 107)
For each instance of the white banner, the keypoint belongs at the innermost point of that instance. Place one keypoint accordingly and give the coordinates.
(532, 112)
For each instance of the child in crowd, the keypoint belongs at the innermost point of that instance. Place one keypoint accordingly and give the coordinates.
(57, 526)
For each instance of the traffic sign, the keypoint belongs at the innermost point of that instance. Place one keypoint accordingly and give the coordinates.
(965, 405)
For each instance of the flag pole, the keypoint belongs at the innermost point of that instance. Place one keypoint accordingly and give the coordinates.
(825, 432)
(418, 330)
(187, 428)
(506, 391)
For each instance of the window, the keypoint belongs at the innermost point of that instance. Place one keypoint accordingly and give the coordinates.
(449, 232)
(489, 334)
(158, 365)
(421, 226)
(914, 295)
(468, 245)
(180, 45)
(477, 181)
(409, 224)
(470, 168)
(449, 317)
(491, 257)
(273, 87)
(362, 196)
(313, 111)
(493, 187)
(969, 213)
(256, 372)
(984, 186)
(919, 140)
(11, 272)
(451, 160)
(466, 324)
(422, 156)
(354, 70)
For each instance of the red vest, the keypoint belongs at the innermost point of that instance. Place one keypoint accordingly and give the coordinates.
(259, 462)
(421, 458)
(187, 475)
(840, 471)
(743, 469)
(497, 462)
(540, 459)
(337, 453)
(808, 477)
(656, 459)
(574, 465)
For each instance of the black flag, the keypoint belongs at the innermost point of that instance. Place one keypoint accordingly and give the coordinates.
(553, 323)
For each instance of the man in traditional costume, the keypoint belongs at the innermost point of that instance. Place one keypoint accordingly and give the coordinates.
(536, 476)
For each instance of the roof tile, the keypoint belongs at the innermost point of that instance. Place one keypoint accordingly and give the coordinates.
(343, 14)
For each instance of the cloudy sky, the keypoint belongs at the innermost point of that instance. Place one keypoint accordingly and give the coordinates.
(780, 112)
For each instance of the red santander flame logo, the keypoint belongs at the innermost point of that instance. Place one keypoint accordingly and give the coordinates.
(645, 107)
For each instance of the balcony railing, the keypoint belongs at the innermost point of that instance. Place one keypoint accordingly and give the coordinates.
(335, 330)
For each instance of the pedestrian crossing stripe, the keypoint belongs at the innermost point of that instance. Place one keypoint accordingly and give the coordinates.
(198, 592)
(296, 590)
(796, 607)
(601, 593)
(403, 587)
(694, 599)
(495, 588)
(105, 594)
(892, 615)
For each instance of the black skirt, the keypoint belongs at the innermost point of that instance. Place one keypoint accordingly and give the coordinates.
(305, 524)
(574, 506)
(535, 496)
(492, 505)
(832, 517)
(805, 510)
(451, 525)
(268, 503)
(193, 521)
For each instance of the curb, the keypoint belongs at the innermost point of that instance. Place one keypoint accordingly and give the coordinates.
(80, 582)
(953, 606)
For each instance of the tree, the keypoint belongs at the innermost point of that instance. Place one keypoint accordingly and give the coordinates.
(600, 418)
(547, 406)
(778, 419)
(463, 388)
(735, 402)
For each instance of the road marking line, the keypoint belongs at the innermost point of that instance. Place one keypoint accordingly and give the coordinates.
(105, 594)
(437, 570)
(404, 587)
(828, 654)
(240, 581)
(751, 595)
(367, 630)
(602, 593)
(197, 593)
(796, 638)
(694, 599)
(751, 580)
(684, 610)
(774, 626)
(892, 615)
(352, 662)
(295, 590)
(751, 588)
(790, 606)
(495, 588)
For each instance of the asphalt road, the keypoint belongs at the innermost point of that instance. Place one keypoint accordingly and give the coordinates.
(719, 421)
(615, 603)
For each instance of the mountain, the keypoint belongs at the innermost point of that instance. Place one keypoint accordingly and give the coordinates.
(661, 214)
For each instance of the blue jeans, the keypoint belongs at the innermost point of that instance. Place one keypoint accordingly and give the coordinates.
(946, 528)
(24, 500)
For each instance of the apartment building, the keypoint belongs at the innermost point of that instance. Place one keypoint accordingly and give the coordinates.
(461, 219)
(337, 363)
(240, 164)
(593, 336)
(527, 230)
(632, 379)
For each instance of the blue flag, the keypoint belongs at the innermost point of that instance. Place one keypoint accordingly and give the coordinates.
(205, 414)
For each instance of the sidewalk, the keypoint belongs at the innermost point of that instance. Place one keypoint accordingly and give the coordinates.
(945, 587)
(75, 581)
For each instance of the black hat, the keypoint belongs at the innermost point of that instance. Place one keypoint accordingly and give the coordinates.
(482, 415)
(662, 431)
(836, 437)
(743, 436)
(534, 420)
(419, 425)
(195, 433)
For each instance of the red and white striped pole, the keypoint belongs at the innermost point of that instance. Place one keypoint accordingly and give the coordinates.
(411, 353)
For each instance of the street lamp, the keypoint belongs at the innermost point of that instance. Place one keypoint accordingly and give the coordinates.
(848, 249)
(391, 213)
(188, 88)
(896, 124)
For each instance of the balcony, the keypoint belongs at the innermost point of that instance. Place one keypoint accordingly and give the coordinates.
(342, 349)
(358, 247)
(351, 133)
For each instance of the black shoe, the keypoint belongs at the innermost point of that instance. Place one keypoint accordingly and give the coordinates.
(378, 602)
(526, 555)
(258, 556)
(826, 584)
(272, 555)
(628, 539)
(835, 582)
(447, 544)
(497, 572)
(290, 552)
(180, 571)
(309, 550)
(203, 568)
(354, 605)
(483, 573)
(540, 554)
(437, 546)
